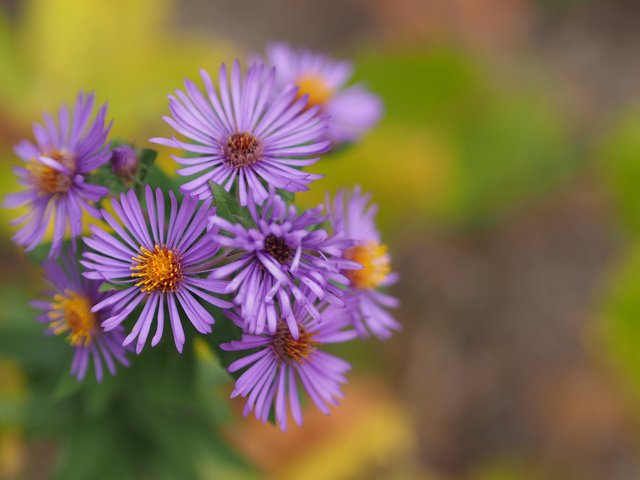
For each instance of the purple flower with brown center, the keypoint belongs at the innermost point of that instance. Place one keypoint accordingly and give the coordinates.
(55, 174)
(352, 110)
(352, 217)
(243, 134)
(278, 362)
(68, 311)
(161, 262)
(282, 254)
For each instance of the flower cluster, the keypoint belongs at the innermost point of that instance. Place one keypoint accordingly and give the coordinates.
(227, 249)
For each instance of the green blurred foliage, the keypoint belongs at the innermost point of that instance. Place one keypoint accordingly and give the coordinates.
(461, 148)
(618, 158)
(618, 162)
(620, 325)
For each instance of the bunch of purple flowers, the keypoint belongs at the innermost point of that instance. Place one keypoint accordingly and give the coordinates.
(228, 249)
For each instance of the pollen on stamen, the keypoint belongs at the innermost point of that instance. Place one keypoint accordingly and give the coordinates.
(375, 262)
(242, 149)
(159, 269)
(288, 349)
(71, 312)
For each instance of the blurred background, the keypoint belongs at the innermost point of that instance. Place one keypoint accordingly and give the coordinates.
(507, 170)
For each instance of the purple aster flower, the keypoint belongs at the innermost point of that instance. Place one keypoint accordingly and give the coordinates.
(55, 174)
(352, 110)
(68, 311)
(352, 217)
(279, 361)
(245, 134)
(161, 267)
(282, 254)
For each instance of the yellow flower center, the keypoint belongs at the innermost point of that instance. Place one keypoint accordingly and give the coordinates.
(375, 264)
(159, 269)
(316, 87)
(71, 312)
(288, 349)
(50, 181)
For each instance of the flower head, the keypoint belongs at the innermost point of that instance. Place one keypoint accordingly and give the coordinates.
(160, 264)
(352, 110)
(282, 254)
(68, 312)
(55, 174)
(124, 162)
(245, 134)
(353, 218)
(279, 361)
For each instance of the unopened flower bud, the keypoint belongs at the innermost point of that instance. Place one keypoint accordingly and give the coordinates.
(124, 161)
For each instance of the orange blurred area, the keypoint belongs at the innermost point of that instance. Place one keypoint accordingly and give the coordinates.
(370, 427)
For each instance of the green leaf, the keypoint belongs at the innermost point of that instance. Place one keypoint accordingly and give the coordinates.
(228, 207)
(67, 385)
(147, 158)
(108, 287)
(226, 331)
(286, 195)
(39, 254)
(157, 178)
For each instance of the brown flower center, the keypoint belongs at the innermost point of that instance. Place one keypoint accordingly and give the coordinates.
(278, 249)
(242, 149)
(288, 349)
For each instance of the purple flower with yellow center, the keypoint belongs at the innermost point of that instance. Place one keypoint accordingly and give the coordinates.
(278, 361)
(55, 174)
(161, 264)
(69, 312)
(244, 134)
(352, 217)
(280, 255)
(352, 111)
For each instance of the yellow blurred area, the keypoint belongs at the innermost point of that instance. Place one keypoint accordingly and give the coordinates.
(12, 387)
(123, 50)
(12, 395)
(12, 452)
(412, 168)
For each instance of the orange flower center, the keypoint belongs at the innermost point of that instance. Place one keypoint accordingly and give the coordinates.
(316, 87)
(159, 269)
(50, 181)
(375, 262)
(72, 313)
(288, 349)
